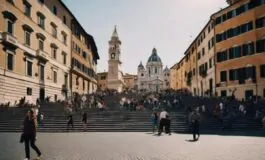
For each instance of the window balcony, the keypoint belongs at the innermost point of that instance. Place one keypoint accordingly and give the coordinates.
(42, 55)
(223, 84)
(10, 39)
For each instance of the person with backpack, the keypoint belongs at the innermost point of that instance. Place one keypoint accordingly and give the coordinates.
(154, 120)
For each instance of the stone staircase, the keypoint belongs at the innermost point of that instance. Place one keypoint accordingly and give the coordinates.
(115, 121)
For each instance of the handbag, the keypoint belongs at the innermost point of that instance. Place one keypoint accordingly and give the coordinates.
(22, 138)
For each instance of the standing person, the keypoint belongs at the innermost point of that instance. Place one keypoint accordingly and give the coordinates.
(29, 134)
(40, 119)
(70, 121)
(167, 125)
(154, 119)
(195, 119)
(84, 120)
(163, 121)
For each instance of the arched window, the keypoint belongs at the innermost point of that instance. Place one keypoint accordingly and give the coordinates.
(64, 20)
(155, 70)
(54, 10)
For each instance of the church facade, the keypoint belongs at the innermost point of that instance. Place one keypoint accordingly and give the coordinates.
(153, 77)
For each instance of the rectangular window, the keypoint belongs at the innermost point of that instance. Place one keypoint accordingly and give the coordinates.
(199, 55)
(218, 20)
(248, 49)
(231, 53)
(54, 76)
(27, 38)
(41, 22)
(65, 39)
(212, 42)
(210, 63)
(251, 72)
(224, 18)
(237, 51)
(54, 10)
(84, 55)
(66, 79)
(27, 9)
(240, 10)
(233, 75)
(260, 46)
(229, 15)
(29, 91)
(10, 27)
(41, 72)
(54, 54)
(29, 68)
(10, 61)
(64, 20)
(223, 76)
(41, 45)
(64, 58)
(260, 22)
(54, 31)
(222, 56)
(249, 26)
(262, 71)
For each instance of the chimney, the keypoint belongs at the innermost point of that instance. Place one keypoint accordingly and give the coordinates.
(231, 2)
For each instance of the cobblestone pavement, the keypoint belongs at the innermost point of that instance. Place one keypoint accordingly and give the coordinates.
(135, 146)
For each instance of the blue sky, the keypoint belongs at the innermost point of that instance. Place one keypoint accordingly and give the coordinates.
(168, 25)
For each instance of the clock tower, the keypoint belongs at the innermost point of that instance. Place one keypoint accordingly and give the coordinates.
(115, 77)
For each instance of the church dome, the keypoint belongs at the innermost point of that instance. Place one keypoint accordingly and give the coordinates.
(154, 57)
(166, 69)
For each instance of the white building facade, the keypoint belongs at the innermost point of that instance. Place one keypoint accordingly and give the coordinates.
(153, 77)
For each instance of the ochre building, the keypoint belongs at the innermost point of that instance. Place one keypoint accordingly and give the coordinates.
(240, 47)
(35, 50)
(229, 54)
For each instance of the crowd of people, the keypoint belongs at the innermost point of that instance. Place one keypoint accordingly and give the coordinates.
(158, 103)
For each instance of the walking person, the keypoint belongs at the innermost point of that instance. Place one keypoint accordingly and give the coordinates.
(70, 121)
(84, 120)
(195, 119)
(29, 134)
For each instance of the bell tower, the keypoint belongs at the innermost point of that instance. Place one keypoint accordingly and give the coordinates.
(115, 77)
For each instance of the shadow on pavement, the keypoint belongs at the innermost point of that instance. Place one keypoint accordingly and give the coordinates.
(191, 140)
(246, 133)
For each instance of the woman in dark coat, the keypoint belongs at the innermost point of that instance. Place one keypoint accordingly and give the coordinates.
(29, 134)
(84, 120)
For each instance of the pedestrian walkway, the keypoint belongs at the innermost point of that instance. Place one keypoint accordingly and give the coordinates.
(135, 146)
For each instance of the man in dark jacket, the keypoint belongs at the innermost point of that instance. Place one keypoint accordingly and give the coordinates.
(194, 118)
(29, 134)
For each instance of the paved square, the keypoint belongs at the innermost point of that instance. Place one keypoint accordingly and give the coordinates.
(135, 146)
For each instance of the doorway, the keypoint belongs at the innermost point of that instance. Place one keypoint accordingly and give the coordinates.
(42, 94)
(211, 87)
(248, 94)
